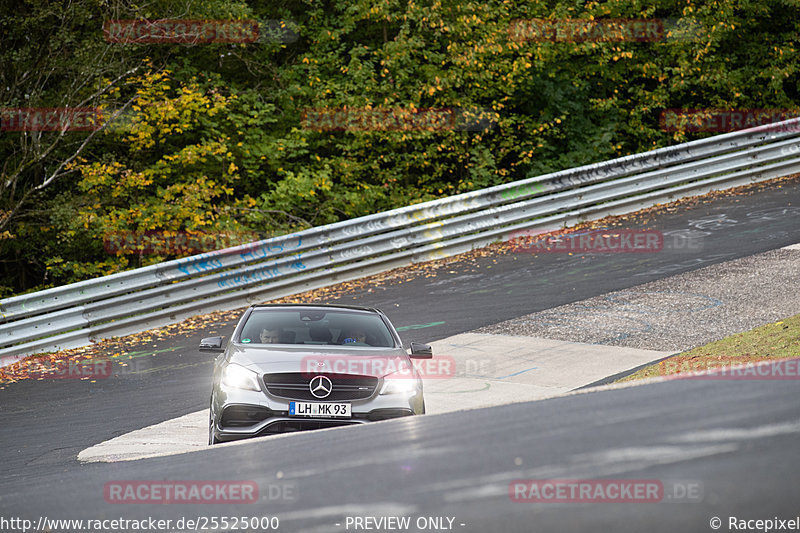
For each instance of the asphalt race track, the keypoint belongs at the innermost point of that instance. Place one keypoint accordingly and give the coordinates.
(733, 443)
(736, 440)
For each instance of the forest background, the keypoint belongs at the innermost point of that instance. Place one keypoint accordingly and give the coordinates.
(331, 110)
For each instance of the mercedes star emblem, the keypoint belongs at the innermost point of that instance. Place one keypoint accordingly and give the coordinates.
(320, 387)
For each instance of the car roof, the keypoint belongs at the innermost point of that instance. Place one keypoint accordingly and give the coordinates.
(323, 306)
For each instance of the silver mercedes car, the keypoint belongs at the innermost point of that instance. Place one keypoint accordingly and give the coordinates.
(297, 367)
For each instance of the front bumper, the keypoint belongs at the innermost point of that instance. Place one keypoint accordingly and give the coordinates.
(239, 414)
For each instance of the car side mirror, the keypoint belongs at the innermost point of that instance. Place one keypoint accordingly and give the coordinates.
(212, 344)
(421, 351)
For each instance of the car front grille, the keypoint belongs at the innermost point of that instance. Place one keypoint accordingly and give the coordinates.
(295, 386)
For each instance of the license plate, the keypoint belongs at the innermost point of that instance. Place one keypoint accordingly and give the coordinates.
(324, 410)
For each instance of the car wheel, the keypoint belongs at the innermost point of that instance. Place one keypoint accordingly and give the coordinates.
(211, 438)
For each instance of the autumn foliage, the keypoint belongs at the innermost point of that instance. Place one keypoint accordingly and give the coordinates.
(215, 137)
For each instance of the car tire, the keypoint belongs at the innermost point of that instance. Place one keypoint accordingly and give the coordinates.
(212, 439)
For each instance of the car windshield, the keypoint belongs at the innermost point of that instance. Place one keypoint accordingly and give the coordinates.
(316, 326)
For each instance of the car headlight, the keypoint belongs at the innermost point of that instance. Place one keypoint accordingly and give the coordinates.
(239, 377)
(399, 383)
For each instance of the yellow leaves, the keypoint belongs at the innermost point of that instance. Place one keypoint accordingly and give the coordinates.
(97, 175)
(324, 184)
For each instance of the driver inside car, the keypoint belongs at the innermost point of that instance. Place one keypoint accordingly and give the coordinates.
(270, 336)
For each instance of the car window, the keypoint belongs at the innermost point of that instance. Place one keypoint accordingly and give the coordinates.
(316, 327)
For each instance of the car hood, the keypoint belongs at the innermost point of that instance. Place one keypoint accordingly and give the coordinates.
(377, 362)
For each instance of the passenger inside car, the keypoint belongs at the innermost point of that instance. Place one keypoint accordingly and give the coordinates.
(355, 336)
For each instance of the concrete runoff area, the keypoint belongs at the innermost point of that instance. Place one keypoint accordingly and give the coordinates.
(501, 369)
(504, 363)
(468, 371)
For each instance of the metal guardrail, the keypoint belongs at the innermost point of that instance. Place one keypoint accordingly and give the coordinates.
(79, 313)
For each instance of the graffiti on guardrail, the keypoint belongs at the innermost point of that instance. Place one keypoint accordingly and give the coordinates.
(200, 264)
(603, 171)
(368, 227)
(399, 242)
(791, 149)
(596, 172)
(262, 273)
(488, 208)
(417, 215)
(270, 248)
(359, 251)
(203, 263)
